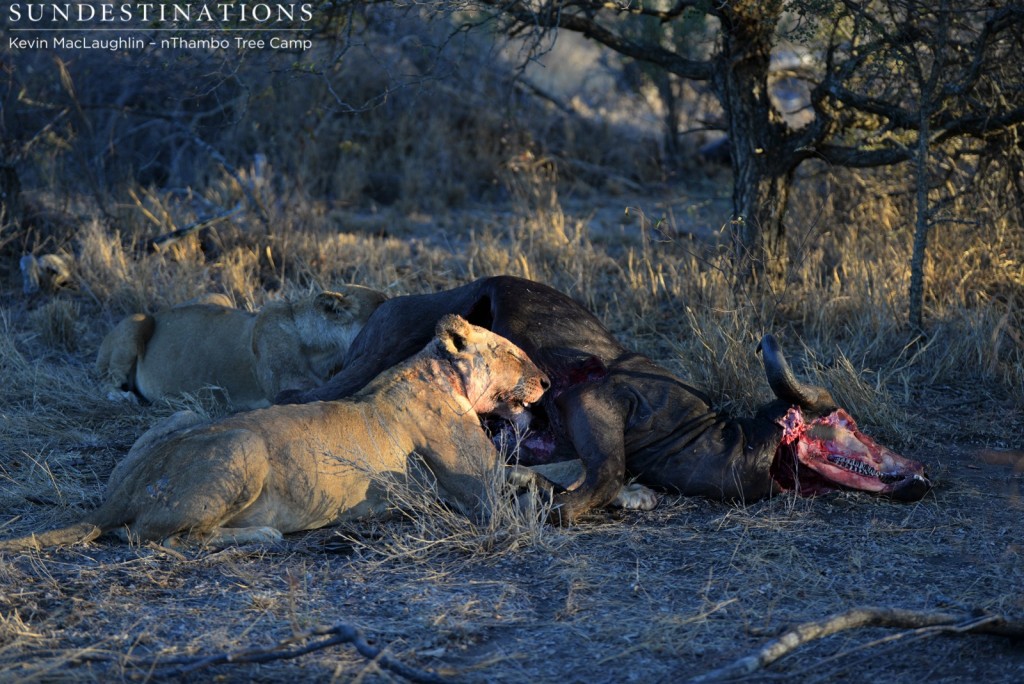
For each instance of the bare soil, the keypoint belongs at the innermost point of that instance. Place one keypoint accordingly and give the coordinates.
(659, 596)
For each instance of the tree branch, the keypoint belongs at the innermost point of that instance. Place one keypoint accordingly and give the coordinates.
(664, 16)
(339, 633)
(980, 126)
(933, 623)
(1004, 19)
(161, 241)
(582, 21)
(896, 115)
(858, 157)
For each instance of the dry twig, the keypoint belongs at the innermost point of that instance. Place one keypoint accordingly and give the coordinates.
(338, 633)
(162, 241)
(935, 623)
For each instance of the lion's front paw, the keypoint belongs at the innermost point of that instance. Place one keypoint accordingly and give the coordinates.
(119, 396)
(636, 497)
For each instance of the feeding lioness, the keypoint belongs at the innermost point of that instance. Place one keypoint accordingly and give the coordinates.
(249, 356)
(253, 476)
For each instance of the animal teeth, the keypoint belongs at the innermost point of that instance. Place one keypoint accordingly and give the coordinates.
(854, 466)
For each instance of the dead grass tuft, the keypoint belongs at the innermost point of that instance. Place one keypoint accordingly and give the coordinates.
(865, 394)
(57, 324)
(429, 527)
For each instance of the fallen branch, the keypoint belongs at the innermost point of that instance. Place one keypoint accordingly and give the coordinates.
(159, 242)
(339, 633)
(937, 623)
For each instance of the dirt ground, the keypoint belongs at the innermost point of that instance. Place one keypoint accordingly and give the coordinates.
(625, 596)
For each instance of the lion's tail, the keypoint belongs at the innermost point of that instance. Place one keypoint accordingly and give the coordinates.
(62, 536)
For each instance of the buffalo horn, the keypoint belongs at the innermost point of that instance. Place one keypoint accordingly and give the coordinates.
(785, 385)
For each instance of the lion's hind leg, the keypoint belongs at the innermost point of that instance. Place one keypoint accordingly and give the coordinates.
(217, 538)
(160, 431)
(120, 351)
(231, 536)
(195, 488)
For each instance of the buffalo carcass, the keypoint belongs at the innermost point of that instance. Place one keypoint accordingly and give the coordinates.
(624, 415)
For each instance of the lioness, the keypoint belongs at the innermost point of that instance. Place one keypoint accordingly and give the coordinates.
(253, 476)
(249, 356)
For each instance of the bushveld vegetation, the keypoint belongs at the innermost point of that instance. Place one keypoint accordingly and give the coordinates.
(394, 164)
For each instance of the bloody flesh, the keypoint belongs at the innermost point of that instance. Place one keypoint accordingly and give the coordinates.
(830, 453)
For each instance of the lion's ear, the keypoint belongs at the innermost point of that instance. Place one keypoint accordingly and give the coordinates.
(335, 304)
(453, 331)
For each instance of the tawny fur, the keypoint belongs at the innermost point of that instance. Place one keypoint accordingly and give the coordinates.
(254, 476)
(249, 356)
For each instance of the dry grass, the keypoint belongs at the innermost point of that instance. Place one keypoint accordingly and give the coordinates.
(652, 596)
(655, 596)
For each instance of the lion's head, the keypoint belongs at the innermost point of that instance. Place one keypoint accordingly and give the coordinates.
(498, 377)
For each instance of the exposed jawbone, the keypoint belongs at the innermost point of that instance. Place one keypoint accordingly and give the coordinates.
(829, 452)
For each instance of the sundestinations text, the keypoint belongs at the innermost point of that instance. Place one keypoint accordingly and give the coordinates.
(80, 13)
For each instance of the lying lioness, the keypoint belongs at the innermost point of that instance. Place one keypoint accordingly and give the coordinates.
(254, 476)
(249, 356)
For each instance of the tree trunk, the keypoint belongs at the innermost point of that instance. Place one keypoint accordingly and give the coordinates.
(10, 192)
(663, 81)
(928, 75)
(921, 226)
(757, 133)
(760, 195)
